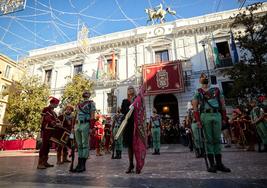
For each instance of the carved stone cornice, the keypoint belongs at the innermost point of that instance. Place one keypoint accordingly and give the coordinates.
(202, 28)
(95, 48)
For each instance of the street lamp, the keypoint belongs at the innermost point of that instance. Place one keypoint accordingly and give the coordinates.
(203, 43)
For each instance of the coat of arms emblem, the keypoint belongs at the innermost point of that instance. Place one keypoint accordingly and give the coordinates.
(162, 79)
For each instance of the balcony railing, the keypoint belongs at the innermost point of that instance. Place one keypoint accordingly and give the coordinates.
(225, 62)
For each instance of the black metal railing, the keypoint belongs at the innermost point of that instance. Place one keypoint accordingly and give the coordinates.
(225, 62)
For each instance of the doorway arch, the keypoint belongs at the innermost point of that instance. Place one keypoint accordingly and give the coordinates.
(167, 104)
(167, 107)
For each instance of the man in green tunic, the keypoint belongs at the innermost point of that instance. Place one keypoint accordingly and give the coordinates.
(85, 119)
(257, 118)
(209, 111)
(155, 128)
(118, 118)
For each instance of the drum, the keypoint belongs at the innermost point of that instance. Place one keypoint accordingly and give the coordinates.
(61, 136)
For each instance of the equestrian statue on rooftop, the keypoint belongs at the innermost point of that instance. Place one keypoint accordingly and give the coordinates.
(158, 13)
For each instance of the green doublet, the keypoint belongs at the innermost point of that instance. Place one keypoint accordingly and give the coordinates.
(210, 117)
(261, 126)
(84, 110)
(211, 98)
(155, 122)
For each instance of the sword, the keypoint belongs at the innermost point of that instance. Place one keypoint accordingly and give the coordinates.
(124, 122)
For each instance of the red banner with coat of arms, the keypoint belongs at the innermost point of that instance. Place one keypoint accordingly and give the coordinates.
(163, 78)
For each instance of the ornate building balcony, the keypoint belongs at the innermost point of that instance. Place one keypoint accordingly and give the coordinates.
(225, 62)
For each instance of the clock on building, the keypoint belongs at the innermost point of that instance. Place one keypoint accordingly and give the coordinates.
(159, 31)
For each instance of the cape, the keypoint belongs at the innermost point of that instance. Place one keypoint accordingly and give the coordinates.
(139, 135)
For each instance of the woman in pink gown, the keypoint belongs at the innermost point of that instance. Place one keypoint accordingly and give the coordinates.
(134, 135)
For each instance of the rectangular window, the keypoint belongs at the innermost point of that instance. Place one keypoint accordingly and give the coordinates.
(3, 89)
(224, 54)
(78, 69)
(7, 71)
(48, 76)
(187, 78)
(161, 56)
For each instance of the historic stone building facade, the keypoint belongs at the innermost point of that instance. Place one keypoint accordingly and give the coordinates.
(123, 56)
(10, 71)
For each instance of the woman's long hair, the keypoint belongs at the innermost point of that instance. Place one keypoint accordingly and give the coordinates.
(134, 94)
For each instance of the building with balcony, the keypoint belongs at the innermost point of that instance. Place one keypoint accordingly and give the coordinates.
(10, 71)
(116, 60)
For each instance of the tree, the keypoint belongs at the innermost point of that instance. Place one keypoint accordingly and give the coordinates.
(250, 74)
(74, 89)
(26, 100)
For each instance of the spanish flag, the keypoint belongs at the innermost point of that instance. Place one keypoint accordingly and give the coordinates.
(100, 68)
(112, 66)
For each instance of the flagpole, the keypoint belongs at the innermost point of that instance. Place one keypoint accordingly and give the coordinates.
(206, 61)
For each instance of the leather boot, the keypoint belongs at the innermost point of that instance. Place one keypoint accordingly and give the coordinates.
(119, 157)
(219, 165)
(155, 152)
(46, 163)
(202, 152)
(264, 148)
(131, 166)
(113, 157)
(117, 154)
(82, 167)
(158, 153)
(84, 164)
(78, 167)
(212, 167)
(41, 163)
(198, 153)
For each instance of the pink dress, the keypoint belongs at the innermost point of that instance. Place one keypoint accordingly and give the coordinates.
(139, 135)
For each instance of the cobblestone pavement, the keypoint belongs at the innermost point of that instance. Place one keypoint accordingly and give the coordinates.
(175, 167)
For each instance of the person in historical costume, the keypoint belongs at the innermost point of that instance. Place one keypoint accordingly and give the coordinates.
(85, 120)
(235, 127)
(49, 121)
(199, 149)
(189, 133)
(249, 131)
(99, 133)
(226, 133)
(155, 122)
(134, 136)
(117, 120)
(67, 120)
(209, 112)
(257, 119)
(107, 134)
(128, 131)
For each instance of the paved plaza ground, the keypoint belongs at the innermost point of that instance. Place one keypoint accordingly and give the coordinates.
(175, 167)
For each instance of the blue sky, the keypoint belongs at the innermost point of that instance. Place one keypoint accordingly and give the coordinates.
(48, 22)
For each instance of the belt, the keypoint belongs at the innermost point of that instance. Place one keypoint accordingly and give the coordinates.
(155, 126)
(83, 121)
(211, 111)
